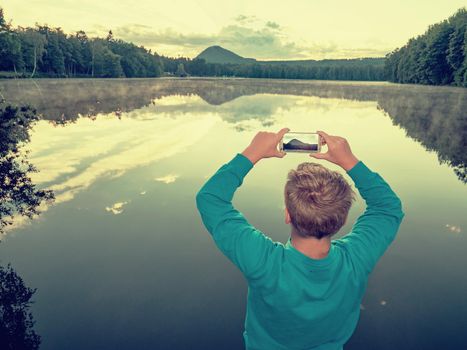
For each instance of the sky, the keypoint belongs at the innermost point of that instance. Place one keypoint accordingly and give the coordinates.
(266, 30)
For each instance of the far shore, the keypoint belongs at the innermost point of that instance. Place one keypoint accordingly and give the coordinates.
(4, 80)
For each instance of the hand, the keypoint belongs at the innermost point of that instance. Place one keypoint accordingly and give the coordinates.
(264, 145)
(339, 151)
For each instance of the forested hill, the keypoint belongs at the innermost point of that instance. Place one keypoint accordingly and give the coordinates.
(337, 69)
(438, 57)
(217, 54)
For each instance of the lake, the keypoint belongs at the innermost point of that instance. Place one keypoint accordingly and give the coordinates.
(121, 259)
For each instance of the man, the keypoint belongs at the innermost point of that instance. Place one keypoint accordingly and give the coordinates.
(305, 294)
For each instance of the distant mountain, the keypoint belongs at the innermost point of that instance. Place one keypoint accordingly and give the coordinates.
(217, 54)
(295, 144)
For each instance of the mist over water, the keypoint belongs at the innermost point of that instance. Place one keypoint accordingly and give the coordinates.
(120, 259)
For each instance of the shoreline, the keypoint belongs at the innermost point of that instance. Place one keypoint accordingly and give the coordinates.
(213, 78)
(238, 79)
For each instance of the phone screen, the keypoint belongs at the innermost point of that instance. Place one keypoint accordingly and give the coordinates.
(301, 142)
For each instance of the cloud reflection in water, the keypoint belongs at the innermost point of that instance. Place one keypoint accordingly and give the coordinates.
(74, 157)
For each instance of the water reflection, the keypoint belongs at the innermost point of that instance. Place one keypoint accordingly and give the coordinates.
(454, 229)
(129, 178)
(437, 120)
(167, 179)
(116, 208)
(72, 159)
(19, 196)
(436, 117)
(16, 321)
(117, 147)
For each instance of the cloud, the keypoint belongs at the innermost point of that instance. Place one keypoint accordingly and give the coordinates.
(272, 25)
(145, 35)
(247, 36)
(246, 19)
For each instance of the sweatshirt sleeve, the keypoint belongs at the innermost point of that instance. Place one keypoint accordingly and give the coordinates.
(376, 228)
(247, 247)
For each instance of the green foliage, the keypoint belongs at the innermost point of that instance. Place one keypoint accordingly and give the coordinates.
(2, 20)
(32, 47)
(54, 59)
(354, 69)
(438, 57)
(52, 52)
(136, 61)
(10, 51)
(181, 70)
(227, 63)
(105, 63)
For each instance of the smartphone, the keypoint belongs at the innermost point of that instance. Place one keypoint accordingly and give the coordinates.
(307, 142)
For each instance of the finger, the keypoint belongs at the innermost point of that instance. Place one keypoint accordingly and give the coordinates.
(324, 135)
(280, 154)
(322, 140)
(319, 155)
(282, 132)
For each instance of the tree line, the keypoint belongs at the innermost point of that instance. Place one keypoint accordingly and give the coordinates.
(49, 51)
(354, 69)
(438, 57)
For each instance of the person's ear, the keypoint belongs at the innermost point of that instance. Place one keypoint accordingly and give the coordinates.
(287, 216)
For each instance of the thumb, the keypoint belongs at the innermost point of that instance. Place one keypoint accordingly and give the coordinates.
(282, 132)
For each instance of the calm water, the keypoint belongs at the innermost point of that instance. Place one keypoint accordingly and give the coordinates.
(121, 260)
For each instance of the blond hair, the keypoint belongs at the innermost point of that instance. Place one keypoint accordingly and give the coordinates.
(317, 199)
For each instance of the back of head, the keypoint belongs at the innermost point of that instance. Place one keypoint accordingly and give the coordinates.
(318, 200)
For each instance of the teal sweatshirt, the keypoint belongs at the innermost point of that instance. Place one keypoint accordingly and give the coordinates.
(294, 301)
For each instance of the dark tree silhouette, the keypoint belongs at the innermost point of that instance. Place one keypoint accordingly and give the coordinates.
(16, 321)
(18, 195)
(47, 51)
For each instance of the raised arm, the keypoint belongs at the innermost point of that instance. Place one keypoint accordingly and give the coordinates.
(247, 247)
(376, 228)
(373, 231)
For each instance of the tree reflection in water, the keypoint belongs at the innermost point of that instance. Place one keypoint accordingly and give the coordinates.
(18, 194)
(16, 321)
(18, 197)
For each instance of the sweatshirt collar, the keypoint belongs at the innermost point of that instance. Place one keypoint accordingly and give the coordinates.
(310, 261)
